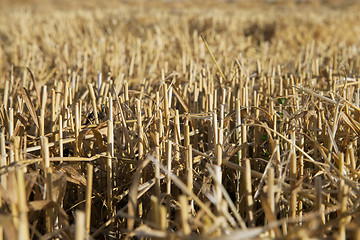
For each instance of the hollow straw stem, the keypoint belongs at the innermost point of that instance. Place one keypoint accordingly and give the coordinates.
(300, 176)
(11, 133)
(23, 230)
(140, 129)
(160, 130)
(168, 179)
(221, 125)
(110, 155)
(157, 168)
(6, 94)
(66, 95)
(189, 173)
(93, 101)
(126, 91)
(89, 181)
(166, 106)
(141, 143)
(184, 214)
(318, 196)
(177, 138)
(3, 159)
(77, 129)
(46, 162)
(61, 137)
(1, 227)
(238, 143)
(293, 196)
(42, 122)
(342, 197)
(49, 213)
(58, 96)
(15, 143)
(215, 130)
(186, 137)
(344, 220)
(79, 225)
(169, 163)
(45, 153)
(271, 194)
(248, 190)
(53, 110)
(13, 204)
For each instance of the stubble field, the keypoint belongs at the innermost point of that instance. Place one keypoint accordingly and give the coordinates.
(179, 120)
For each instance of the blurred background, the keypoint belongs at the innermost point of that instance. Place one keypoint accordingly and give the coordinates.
(66, 4)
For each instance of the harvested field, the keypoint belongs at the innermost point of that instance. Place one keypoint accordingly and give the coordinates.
(179, 120)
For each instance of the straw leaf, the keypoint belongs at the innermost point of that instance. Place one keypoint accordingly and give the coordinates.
(30, 106)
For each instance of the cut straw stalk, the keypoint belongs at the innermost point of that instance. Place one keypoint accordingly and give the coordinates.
(177, 143)
(77, 128)
(61, 137)
(1, 227)
(42, 110)
(66, 95)
(47, 174)
(293, 197)
(45, 153)
(110, 155)
(169, 163)
(80, 225)
(271, 195)
(344, 220)
(53, 111)
(49, 213)
(11, 133)
(126, 91)
(3, 158)
(221, 125)
(6, 94)
(3, 177)
(157, 169)
(166, 106)
(158, 213)
(319, 199)
(238, 143)
(343, 199)
(88, 202)
(300, 173)
(140, 129)
(141, 143)
(23, 231)
(293, 178)
(189, 173)
(93, 101)
(160, 130)
(14, 204)
(248, 190)
(15, 146)
(184, 214)
(218, 176)
(168, 179)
